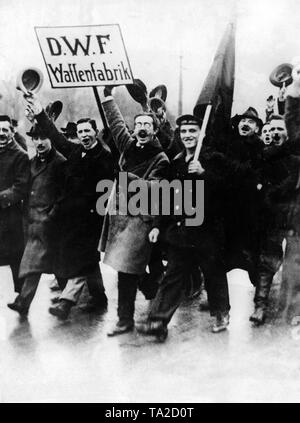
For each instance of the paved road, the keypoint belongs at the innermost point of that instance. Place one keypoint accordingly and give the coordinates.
(44, 360)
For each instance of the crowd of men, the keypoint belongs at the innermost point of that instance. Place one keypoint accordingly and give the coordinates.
(49, 222)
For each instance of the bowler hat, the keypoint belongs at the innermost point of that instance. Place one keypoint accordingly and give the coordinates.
(282, 74)
(54, 109)
(138, 91)
(36, 131)
(250, 113)
(70, 129)
(160, 91)
(188, 120)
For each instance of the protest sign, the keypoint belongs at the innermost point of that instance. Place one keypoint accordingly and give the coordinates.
(84, 56)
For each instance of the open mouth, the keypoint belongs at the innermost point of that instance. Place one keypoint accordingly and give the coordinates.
(142, 134)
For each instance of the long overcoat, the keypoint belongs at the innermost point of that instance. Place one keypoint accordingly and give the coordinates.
(46, 183)
(14, 177)
(124, 236)
(79, 224)
(243, 201)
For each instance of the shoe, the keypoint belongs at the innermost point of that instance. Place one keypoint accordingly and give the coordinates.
(222, 321)
(119, 329)
(259, 316)
(62, 309)
(156, 328)
(23, 311)
(203, 301)
(95, 304)
(55, 300)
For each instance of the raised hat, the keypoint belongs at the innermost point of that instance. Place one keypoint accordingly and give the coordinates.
(29, 79)
(70, 129)
(282, 74)
(250, 113)
(54, 109)
(138, 91)
(160, 91)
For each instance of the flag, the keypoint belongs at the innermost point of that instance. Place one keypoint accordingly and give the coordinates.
(218, 87)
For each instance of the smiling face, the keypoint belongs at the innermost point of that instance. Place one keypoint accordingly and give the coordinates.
(247, 127)
(144, 129)
(86, 134)
(266, 134)
(6, 133)
(278, 131)
(189, 134)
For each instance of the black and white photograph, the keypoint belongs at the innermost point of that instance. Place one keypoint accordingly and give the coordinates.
(149, 204)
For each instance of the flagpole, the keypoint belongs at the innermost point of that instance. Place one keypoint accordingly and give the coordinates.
(202, 132)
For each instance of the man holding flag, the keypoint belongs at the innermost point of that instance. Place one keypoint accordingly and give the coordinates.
(189, 246)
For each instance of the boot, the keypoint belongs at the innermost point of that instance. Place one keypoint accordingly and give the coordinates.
(259, 316)
(17, 306)
(62, 309)
(221, 323)
(261, 298)
(156, 328)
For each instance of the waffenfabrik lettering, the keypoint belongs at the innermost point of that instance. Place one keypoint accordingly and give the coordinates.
(72, 73)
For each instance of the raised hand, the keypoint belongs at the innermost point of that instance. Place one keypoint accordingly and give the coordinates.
(34, 103)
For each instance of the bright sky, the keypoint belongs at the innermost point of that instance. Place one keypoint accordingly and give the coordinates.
(156, 32)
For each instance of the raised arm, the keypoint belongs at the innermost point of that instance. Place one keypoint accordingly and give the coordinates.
(120, 133)
(59, 141)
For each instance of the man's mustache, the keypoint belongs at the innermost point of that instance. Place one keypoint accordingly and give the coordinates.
(246, 128)
(142, 133)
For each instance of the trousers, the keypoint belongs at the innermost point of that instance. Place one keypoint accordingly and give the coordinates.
(75, 285)
(172, 289)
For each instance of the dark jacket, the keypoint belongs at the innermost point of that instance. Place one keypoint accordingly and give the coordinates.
(14, 176)
(169, 140)
(244, 197)
(79, 223)
(125, 237)
(46, 183)
(20, 140)
(280, 175)
(174, 229)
